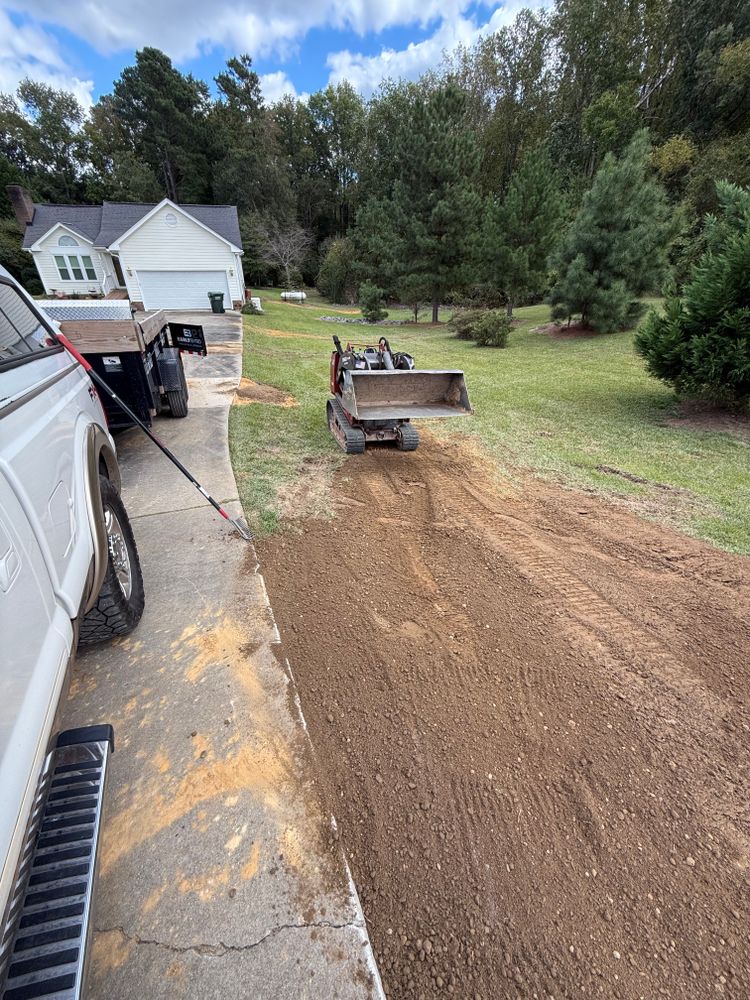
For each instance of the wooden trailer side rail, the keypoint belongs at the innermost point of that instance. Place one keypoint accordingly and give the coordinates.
(108, 336)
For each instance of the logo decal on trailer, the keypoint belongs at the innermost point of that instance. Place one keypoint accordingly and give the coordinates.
(189, 339)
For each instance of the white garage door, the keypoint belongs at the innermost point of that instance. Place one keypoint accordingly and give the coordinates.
(182, 289)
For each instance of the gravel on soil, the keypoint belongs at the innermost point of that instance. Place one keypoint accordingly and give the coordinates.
(531, 713)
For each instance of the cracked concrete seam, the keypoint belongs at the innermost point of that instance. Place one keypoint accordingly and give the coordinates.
(220, 949)
(179, 510)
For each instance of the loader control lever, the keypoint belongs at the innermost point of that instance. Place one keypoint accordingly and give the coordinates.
(384, 349)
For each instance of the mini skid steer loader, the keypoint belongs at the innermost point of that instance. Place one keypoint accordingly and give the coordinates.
(377, 392)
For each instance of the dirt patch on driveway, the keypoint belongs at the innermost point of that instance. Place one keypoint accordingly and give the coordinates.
(257, 392)
(531, 713)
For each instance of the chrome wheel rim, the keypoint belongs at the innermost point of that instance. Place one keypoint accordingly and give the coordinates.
(118, 552)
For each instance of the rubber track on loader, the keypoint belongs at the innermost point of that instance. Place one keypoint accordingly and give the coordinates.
(354, 437)
(408, 438)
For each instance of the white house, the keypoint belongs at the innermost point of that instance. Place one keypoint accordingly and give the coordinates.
(164, 256)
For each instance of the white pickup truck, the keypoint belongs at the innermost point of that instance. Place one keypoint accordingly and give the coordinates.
(69, 573)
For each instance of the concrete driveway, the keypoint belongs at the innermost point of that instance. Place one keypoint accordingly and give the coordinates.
(220, 870)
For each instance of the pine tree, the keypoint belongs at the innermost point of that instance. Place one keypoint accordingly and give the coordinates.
(370, 299)
(246, 165)
(165, 113)
(700, 344)
(436, 203)
(520, 232)
(378, 253)
(414, 292)
(615, 249)
(424, 227)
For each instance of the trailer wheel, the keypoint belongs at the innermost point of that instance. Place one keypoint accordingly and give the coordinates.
(178, 402)
(177, 398)
(120, 602)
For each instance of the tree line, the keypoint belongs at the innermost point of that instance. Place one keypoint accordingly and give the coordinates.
(573, 154)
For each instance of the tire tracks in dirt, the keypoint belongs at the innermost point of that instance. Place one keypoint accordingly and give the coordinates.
(642, 666)
(539, 776)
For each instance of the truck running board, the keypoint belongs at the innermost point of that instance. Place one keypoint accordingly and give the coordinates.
(45, 938)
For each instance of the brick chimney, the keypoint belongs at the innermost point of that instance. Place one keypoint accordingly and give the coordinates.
(22, 204)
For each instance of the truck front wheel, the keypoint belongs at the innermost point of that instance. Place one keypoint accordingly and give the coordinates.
(120, 602)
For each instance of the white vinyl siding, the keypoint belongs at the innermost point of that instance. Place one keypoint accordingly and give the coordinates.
(49, 272)
(185, 246)
(240, 276)
(181, 289)
(21, 333)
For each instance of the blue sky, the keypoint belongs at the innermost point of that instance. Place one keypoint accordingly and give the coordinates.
(297, 47)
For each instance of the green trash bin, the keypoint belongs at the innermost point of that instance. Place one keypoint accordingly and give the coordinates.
(217, 301)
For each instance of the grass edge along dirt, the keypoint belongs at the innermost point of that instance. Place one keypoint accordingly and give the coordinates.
(581, 412)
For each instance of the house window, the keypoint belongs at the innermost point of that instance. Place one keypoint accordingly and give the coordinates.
(67, 241)
(22, 334)
(72, 267)
(171, 219)
(62, 267)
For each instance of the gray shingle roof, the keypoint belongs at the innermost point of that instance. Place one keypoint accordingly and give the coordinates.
(221, 218)
(117, 218)
(105, 224)
(86, 220)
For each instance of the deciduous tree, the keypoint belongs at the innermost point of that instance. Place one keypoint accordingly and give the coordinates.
(285, 247)
(338, 113)
(42, 138)
(336, 275)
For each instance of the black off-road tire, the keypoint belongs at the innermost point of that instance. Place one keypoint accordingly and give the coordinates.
(115, 613)
(408, 438)
(178, 402)
(177, 399)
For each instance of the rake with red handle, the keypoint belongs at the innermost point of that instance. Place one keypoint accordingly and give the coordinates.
(101, 384)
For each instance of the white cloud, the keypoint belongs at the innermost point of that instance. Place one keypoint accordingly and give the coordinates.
(29, 51)
(185, 28)
(275, 86)
(365, 72)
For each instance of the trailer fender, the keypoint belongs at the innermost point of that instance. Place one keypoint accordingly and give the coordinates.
(169, 365)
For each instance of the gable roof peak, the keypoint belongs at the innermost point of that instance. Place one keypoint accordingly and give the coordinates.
(105, 224)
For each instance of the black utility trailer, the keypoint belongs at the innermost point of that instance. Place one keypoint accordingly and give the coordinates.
(141, 359)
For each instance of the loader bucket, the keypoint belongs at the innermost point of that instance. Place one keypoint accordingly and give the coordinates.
(403, 395)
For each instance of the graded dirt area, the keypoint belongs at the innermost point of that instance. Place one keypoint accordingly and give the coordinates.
(531, 713)
(249, 391)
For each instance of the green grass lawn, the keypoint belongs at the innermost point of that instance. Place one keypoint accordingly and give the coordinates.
(558, 407)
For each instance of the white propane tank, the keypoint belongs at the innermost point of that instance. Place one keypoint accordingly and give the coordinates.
(293, 296)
